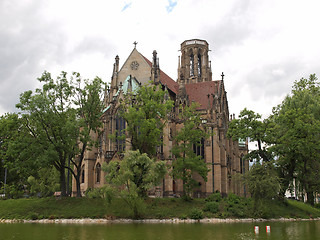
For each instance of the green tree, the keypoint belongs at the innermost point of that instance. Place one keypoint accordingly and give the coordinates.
(249, 125)
(18, 153)
(146, 112)
(262, 182)
(187, 162)
(89, 106)
(61, 116)
(296, 136)
(45, 184)
(134, 176)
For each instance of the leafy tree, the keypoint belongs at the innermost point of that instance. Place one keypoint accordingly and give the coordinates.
(262, 182)
(45, 184)
(296, 136)
(249, 125)
(61, 116)
(136, 171)
(18, 154)
(186, 162)
(134, 176)
(89, 107)
(146, 113)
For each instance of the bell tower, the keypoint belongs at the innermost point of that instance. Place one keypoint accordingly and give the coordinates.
(194, 64)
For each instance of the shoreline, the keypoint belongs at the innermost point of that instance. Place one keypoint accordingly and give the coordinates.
(153, 221)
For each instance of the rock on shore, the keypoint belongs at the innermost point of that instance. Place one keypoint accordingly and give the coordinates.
(172, 220)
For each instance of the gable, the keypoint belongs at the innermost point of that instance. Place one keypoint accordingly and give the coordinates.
(137, 67)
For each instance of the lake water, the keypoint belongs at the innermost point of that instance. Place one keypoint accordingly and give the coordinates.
(301, 230)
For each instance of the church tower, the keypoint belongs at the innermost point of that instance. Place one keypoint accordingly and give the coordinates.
(194, 65)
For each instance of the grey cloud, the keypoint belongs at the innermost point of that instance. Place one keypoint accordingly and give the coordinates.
(25, 39)
(273, 80)
(232, 29)
(28, 38)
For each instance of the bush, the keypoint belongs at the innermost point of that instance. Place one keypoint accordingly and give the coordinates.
(196, 214)
(212, 207)
(105, 192)
(214, 197)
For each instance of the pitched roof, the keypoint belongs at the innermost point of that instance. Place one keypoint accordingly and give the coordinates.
(198, 92)
(165, 79)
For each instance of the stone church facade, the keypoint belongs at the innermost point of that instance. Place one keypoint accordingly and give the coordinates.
(223, 156)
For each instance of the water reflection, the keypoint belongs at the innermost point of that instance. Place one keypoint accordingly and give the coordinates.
(235, 231)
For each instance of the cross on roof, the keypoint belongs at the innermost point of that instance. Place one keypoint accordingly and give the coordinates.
(135, 44)
(222, 75)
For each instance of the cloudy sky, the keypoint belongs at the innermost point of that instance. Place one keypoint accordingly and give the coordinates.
(262, 46)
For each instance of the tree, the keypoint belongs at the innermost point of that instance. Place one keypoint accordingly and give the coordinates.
(296, 136)
(61, 116)
(187, 162)
(146, 113)
(134, 176)
(249, 125)
(88, 109)
(18, 154)
(262, 182)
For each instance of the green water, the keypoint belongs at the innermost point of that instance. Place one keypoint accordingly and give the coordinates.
(279, 230)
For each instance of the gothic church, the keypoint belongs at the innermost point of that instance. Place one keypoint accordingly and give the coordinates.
(223, 156)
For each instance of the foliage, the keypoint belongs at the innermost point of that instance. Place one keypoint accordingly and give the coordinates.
(212, 207)
(249, 125)
(60, 117)
(296, 136)
(133, 177)
(146, 113)
(262, 183)
(18, 153)
(136, 171)
(106, 192)
(46, 184)
(196, 214)
(214, 197)
(186, 162)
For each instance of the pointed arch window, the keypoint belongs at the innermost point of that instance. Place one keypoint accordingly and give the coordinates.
(199, 65)
(120, 133)
(198, 148)
(98, 172)
(82, 176)
(191, 65)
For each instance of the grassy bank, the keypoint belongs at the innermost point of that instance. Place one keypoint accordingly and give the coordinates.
(159, 208)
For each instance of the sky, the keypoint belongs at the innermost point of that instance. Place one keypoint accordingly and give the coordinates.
(262, 46)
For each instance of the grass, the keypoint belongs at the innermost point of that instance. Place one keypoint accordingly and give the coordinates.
(158, 208)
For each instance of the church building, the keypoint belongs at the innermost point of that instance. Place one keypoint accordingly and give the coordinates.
(224, 157)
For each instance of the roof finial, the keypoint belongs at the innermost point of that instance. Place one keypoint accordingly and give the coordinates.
(222, 75)
(135, 44)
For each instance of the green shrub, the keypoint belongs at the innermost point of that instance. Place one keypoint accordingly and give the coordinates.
(33, 216)
(212, 207)
(196, 214)
(233, 199)
(105, 192)
(214, 197)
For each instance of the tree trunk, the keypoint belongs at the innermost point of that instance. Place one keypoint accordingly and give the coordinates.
(63, 182)
(78, 185)
(310, 198)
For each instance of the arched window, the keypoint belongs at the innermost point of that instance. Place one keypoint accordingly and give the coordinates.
(120, 134)
(198, 148)
(199, 65)
(98, 172)
(191, 65)
(82, 176)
